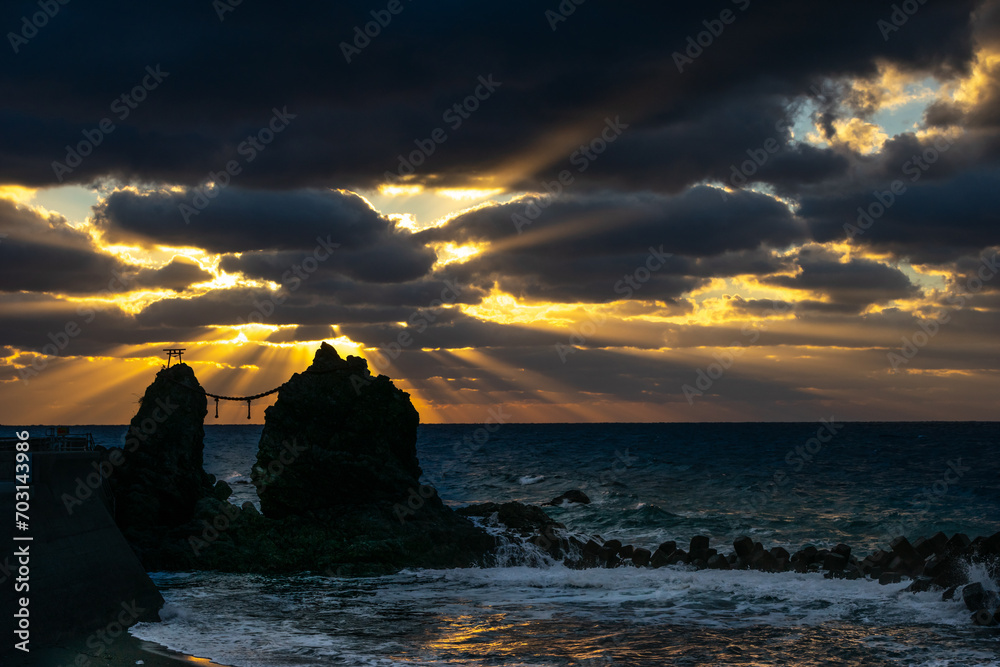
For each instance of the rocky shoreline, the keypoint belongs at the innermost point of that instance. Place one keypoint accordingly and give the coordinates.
(340, 494)
(336, 474)
(936, 563)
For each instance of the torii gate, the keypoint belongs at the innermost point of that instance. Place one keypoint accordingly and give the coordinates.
(174, 352)
(178, 351)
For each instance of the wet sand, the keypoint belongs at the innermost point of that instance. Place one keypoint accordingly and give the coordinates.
(125, 651)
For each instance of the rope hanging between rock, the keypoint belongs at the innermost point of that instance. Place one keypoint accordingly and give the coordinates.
(218, 397)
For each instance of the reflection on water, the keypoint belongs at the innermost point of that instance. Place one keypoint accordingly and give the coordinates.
(570, 644)
(560, 618)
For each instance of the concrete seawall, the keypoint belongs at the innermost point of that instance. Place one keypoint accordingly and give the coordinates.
(83, 576)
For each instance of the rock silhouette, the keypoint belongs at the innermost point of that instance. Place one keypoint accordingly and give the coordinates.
(336, 472)
(573, 496)
(159, 478)
(336, 436)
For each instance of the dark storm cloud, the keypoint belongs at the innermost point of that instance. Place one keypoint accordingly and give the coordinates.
(710, 139)
(245, 305)
(979, 273)
(596, 373)
(983, 115)
(985, 112)
(394, 260)
(352, 119)
(756, 262)
(413, 294)
(857, 282)
(237, 220)
(294, 334)
(581, 249)
(283, 236)
(43, 253)
(934, 159)
(455, 331)
(698, 222)
(178, 274)
(798, 165)
(772, 307)
(38, 323)
(932, 221)
(318, 302)
(329, 302)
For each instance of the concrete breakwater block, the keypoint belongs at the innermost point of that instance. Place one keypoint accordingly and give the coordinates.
(929, 563)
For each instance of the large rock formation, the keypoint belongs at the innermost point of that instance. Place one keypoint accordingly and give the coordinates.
(338, 457)
(159, 478)
(336, 471)
(336, 436)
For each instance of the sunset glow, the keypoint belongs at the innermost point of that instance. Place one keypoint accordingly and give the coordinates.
(590, 266)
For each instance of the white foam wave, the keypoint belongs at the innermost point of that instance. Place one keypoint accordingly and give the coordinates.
(251, 621)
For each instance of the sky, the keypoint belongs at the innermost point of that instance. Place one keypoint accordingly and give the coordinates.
(566, 212)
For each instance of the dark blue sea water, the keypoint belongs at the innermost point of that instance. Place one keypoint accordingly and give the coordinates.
(783, 484)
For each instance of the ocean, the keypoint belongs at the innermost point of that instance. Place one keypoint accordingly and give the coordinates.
(782, 484)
